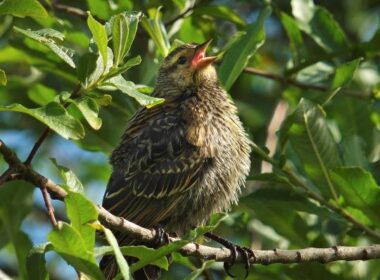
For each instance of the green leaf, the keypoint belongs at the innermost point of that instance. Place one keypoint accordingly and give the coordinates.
(99, 8)
(319, 24)
(121, 262)
(82, 211)
(47, 38)
(120, 30)
(54, 116)
(139, 252)
(36, 264)
(295, 37)
(69, 177)
(41, 94)
(198, 272)
(220, 11)
(130, 89)
(125, 67)
(18, 196)
(354, 153)
(313, 143)
(99, 34)
(157, 254)
(124, 27)
(270, 177)
(282, 218)
(157, 32)
(90, 111)
(212, 224)
(69, 244)
(274, 195)
(359, 190)
(237, 57)
(23, 8)
(3, 78)
(344, 73)
(133, 22)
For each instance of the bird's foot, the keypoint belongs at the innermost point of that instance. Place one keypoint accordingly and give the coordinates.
(161, 236)
(235, 249)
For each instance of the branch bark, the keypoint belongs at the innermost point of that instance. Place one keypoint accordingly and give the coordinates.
(289, 81)
(322, 255)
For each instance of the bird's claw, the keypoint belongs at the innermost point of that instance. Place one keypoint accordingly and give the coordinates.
(235, 249)
(245, 252)
(161, 237)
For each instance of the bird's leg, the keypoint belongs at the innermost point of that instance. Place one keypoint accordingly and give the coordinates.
(246, 253)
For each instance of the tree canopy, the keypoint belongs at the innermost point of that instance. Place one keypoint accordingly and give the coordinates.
(305, 77)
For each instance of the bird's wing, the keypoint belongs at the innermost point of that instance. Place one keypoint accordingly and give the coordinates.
(155, 165)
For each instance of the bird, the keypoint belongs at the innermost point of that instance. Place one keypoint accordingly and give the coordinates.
(180, 161)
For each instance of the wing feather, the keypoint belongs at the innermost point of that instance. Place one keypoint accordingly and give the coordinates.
(154, 166)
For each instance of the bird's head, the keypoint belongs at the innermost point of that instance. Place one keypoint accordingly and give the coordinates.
(188, 66)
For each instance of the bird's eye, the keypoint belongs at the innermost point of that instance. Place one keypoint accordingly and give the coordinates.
(182, 60)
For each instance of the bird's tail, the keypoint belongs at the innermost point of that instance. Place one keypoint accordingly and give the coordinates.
(110, 269)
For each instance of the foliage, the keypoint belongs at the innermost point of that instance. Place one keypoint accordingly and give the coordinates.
(84, 74)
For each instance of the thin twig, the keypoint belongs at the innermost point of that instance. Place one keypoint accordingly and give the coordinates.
(6, 176)
(37, 145)
(48, 205)
(69, 10)
(22, 170)
(285, 80)
(181, 15)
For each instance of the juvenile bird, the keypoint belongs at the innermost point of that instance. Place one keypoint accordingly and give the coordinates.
(183, 160)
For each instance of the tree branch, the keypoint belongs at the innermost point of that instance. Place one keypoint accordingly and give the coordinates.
(322, 255)
(181, 15)
(285, 80)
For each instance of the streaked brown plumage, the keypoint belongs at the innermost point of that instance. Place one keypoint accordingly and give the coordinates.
(183, 160)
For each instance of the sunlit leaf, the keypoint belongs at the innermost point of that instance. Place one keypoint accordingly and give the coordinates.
(121, 262)
(23, 8)
(90, 110)
(120, 30)
(130, 89)
(99, 34)
(157, 254)
(71, 246)
(124, 27)
(139, 252)
(157, 32)
(46, 38)
(71, 180)
(81, 211)
(54, 116)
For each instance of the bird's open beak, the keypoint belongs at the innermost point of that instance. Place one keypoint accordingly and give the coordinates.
(199, 59)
